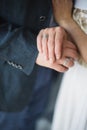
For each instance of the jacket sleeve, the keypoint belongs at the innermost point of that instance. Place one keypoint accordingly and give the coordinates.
(18, 47)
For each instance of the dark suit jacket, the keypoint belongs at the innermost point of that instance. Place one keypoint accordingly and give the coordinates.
(20, 22)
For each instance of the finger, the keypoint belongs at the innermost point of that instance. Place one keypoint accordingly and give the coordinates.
(55, 66)
(59, 68)
(68, 52)
(67, 62)
(39, 42)
(44, 45)
(51, 46)
(59, 37)
(69, 44)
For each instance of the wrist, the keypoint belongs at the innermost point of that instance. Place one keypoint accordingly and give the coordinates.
(66, 22)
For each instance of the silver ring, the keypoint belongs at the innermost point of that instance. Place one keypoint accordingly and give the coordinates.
(67, 60)
(45, 36)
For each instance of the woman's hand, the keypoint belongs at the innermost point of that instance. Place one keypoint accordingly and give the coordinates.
(62, 10)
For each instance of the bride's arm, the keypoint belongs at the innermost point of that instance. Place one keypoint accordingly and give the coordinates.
(63, 15)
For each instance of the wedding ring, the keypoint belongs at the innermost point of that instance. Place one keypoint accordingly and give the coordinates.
(45, 36)
(66, 62)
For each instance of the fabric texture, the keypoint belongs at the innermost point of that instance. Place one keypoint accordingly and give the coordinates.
(71, 107)
(20, 22)
(80, 16)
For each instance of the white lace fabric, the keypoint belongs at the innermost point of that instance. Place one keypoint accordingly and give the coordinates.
(80, 16)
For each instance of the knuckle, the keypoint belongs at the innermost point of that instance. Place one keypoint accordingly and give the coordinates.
(46, 30)
(52, 30)
(41, 31)
(60, 29)
(51, 43)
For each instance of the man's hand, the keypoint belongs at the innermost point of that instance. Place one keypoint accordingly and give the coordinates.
(50, 41)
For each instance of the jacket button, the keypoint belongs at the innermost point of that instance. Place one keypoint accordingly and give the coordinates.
(42, 18)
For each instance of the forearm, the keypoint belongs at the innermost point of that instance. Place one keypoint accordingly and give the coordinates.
(75, 31)
(79, 37)
(62, 10)
(63, 16)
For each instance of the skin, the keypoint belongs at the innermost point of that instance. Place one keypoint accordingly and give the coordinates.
(62, 10)
(50, 49)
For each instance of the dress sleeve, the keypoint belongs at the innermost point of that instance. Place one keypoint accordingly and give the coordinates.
(18, 47)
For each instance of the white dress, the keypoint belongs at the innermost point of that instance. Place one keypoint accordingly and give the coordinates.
(71, 104)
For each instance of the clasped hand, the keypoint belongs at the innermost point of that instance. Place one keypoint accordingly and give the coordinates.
(54, 49)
